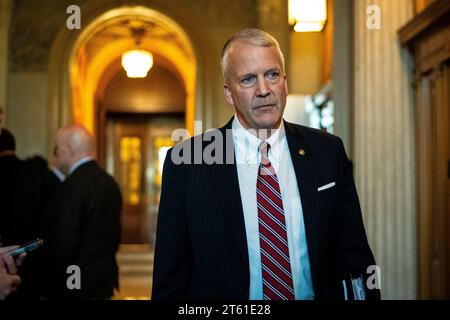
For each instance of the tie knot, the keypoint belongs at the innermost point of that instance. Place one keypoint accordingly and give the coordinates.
(264, 150)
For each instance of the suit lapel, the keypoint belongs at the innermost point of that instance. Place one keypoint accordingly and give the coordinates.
(304, 167)
(227, 185)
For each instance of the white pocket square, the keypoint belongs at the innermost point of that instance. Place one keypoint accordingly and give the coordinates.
(327, 186)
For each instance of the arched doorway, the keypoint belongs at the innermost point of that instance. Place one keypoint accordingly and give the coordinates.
(101, 44)
(133, 118)
(60, 103)
(85, 67)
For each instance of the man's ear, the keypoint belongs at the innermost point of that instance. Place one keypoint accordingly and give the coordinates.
(286, 85)
(227, 93)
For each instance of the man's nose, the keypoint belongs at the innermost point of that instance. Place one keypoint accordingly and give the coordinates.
(263, 88)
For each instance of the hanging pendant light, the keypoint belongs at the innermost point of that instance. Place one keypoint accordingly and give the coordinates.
(307, 15)
(137, 62)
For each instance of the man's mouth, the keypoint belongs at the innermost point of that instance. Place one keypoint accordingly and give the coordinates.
(264, 106)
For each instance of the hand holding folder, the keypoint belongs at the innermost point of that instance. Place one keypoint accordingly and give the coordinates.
(354, 288)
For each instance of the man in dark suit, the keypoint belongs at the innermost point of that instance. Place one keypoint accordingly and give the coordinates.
(25, 189)
(271, 209)
(86, 229)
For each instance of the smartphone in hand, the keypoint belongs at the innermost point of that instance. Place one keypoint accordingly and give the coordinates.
(27, 247)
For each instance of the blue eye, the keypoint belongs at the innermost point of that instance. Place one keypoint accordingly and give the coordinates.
(272, 75)
(247, 81)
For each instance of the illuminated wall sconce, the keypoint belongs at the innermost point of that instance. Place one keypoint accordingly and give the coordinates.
(307, 15)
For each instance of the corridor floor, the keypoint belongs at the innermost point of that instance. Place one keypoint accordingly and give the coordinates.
(135, 272)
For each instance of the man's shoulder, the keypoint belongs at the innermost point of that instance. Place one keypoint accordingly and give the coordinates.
(85, 174)
(89, 174)
(88, 170)
(215, 135)
(311, 134)
(37, 163)
(204, 138)
(201, 148)
(34, 168)
(9, 161)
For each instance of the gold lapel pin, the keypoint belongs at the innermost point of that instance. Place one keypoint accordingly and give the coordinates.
(301, 152)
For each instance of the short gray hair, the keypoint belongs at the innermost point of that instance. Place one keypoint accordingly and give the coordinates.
(253, 36)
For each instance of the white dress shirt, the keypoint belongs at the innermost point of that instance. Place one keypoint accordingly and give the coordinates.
(58, 174)
(246, 148)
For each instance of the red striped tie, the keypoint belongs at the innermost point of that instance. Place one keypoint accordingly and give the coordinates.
(275, 262)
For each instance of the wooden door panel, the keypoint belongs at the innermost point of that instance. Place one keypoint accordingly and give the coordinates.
(427, 37)
(130, 160)
(133, 155)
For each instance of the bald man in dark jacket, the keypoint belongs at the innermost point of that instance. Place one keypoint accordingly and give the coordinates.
(86, 231)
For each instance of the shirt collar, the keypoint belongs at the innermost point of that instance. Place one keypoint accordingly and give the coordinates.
(80, 162)
(248, 144)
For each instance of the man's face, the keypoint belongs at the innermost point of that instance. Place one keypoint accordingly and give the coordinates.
(256, 85)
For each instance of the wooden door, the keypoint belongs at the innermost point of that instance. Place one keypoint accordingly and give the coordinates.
(428, 38)
(135, 150)
(446, 104)
(433, 163)
(129, 165)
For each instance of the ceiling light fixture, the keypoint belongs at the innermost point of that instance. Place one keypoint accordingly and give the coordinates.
(307, 15)
(137, 62)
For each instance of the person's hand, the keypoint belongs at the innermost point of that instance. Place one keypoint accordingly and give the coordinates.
(8, 283)
(9, 261)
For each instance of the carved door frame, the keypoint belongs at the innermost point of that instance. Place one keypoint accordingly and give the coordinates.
(428, 38)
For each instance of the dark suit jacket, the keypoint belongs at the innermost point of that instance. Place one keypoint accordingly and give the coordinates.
(201, 247)
(25, 188)
(86, 233)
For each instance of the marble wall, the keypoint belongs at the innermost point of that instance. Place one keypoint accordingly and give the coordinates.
(383, 143)
(27, 112)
